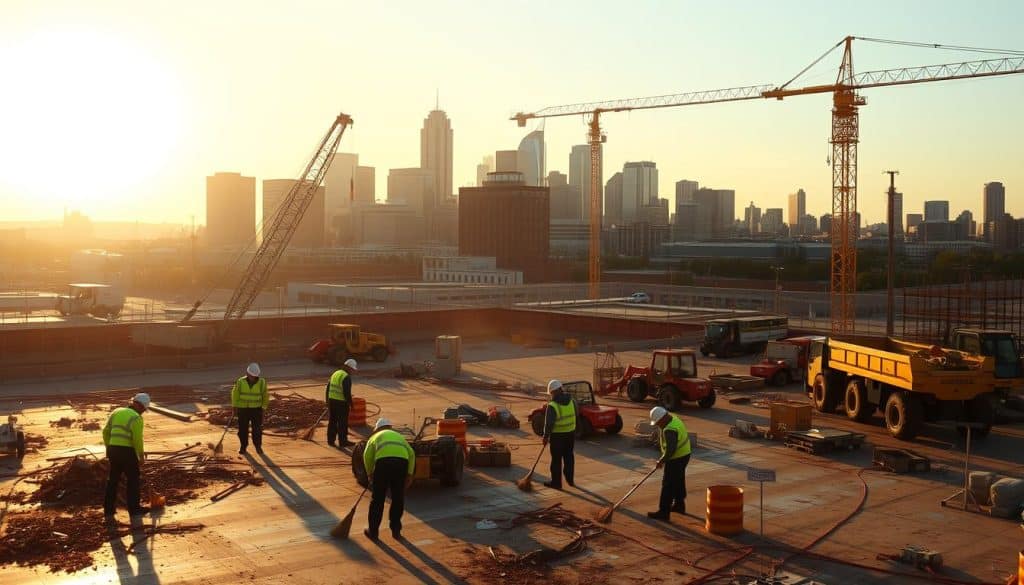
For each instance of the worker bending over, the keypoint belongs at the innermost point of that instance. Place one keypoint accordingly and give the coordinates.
(339, 398)
(560, 432)
(675, 455)
(390, 464)
(122, 437)
(250, 398)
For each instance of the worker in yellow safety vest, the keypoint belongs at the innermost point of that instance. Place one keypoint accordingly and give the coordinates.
(560, 433)
(122, 437)
(250, 398)
(339, 399)
(390, 464)
(675, 455)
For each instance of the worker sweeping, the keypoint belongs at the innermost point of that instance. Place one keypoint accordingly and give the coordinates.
(339, 398)
(560, 433)
(250, 398)
(122, 437)
(390, 464)
(675, 455)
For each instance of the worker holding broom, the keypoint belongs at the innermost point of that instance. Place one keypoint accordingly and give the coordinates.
(250, 398)
(122, 437)
(339, 397)
(675, 455)
(390, 465)
(560, 433)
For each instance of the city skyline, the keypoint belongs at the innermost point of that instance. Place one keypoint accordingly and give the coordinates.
(127, 164)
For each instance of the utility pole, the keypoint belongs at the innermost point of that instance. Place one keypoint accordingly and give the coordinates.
(778, 290)
(890, 272)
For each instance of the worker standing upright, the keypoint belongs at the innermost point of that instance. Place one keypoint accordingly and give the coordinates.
(560, 432)
(675, 455)
(390, 465)
(339, 398)
(122, 437)
(250, 398)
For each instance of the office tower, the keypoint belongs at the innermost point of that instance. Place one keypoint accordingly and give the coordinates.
(751, 218)
(914, 220)
(685, 190)
(771, 220)
(639, 188)
(230, 210)
(825, 224)
(725, 217)
(310, 233)
(897, 212)
(965, 226)
(579, 177)
(685, 228)
(486, 166)
(993, 205)
(530, 158)
(506, 161)
(339, 183)
(808, 225)
(613, 200)
(436, 140)
(413, 187)
(797, 209)
(936, 210)
(564, 202)
(365, 186)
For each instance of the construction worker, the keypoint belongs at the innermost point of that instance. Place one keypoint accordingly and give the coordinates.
(339, 397)
(390, 464)
(249, 398)
(122, 437)
(675, 455)
(560, 432)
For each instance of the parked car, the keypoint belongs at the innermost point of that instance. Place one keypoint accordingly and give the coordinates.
(639, 297)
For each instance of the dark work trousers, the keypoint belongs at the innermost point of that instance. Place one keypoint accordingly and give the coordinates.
(389, 474)
(673, 484)
(247, 416)
(562, 458)
(337, 421)
(123, 460)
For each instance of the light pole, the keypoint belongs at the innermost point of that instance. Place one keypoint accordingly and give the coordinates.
(890, 309)
(778, 290)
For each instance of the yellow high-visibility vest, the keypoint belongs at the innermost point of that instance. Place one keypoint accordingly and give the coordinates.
(124, 429)
(246, 396)
(682, 441)
(387, 443)
(565, 417)
(334, 391)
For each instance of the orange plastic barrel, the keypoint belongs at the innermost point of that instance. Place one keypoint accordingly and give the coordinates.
(725, 510)
(357, 412)
(1020, 568)
(455, 427)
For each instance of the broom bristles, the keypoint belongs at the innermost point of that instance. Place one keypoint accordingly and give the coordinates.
(605, 515)
(344, 526)
(525, 484)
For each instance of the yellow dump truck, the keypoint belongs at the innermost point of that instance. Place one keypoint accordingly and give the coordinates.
(912, 383)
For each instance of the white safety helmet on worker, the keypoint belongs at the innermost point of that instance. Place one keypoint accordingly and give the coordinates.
(381, 423)
(351, 364)
(657, 413)
(554, 386)
(253, 370)
(142, 399)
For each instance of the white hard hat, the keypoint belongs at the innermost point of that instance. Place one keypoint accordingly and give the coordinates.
(382, 422)
(351, 363)
(253, 369)
(658, 413)
(554, 385)
(141, 398)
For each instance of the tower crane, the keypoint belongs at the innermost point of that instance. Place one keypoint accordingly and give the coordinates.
(845, 132)
(282, 227)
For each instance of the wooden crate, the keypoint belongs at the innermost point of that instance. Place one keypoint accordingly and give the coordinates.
(789, 415)
(493, 455)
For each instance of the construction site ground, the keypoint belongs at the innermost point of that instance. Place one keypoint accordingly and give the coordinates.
(278, 532)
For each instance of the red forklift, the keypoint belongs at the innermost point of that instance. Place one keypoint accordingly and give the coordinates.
(670, 379)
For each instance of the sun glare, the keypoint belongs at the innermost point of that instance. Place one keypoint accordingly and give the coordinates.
(85, 119)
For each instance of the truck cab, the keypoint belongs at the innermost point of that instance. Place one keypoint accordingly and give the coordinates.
(995, 343)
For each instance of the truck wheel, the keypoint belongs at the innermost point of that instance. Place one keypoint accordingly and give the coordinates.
(358, 468)
(636, 390)
(616, 427)
(856, 402)
(583, 428)
(670, 398)
(781, 378)
(903, 415)
(708, 401)
(537, 423)
(454, 465)
(21, 445)
(379, 353)
(826, 397)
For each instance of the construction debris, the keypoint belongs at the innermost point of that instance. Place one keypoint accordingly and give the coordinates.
(86, 424)
(289, 414)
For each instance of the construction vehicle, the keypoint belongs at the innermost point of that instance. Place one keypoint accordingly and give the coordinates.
(590, 417)
(911, 382)
(670, 379)
(440, 457)
(998, 344)
(12, 438)
(784, 361)
(346, 340)
(98, 300)
(742, 335)
(846, 102)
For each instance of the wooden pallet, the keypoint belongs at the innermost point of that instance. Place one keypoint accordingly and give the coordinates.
(821, 441)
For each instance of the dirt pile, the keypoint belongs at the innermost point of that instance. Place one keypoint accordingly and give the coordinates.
(83, 423)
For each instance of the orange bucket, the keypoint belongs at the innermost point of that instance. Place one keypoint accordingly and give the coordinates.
(725, 510)
(357, 412)
(455, 427)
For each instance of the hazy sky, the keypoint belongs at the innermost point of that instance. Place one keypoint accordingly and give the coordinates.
(120, 109)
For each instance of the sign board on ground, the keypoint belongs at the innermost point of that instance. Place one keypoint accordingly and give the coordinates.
(754, 474)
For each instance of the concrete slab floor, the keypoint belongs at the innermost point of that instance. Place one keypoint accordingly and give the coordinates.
(278, 532)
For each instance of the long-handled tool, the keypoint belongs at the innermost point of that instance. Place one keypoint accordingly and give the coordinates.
(219, 447)
(605, 515)
(524, 483)
(345, 524)
(308, 435)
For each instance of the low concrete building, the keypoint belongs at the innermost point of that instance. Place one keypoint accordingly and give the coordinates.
(468, 270)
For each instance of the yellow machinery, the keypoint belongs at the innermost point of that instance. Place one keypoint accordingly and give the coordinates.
(347, 340)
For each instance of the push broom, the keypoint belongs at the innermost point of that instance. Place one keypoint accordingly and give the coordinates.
(524, 483)
(219, 447)
(605, 515)
(344, 526)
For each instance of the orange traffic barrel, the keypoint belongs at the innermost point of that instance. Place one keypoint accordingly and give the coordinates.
(455, 427)
(1020, 568)
(357, 412)
(725, 510)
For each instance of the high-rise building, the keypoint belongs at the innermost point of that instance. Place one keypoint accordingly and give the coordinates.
(825, 224)
(508, 220)
(579, 177)
(914, 220)
(685, 228)
(230, 210)
(486, 166)
(310, 233)
(797, 209)
(965, 226)
(808, 225)
(436, 140)
(654, 214)
(612, 200)
(752, 218)
(725, 219)
(993, 205)
(936, 210)
(339, 183)
(771, 220)
(564, 202)
(716, 212)
(413, 187)
(897, 213)
(685, 190)
(639, 188)
(506, 161)
(365, 186)
(530, 158)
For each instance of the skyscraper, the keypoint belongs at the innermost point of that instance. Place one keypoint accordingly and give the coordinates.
(564, 203)
(685, 190)
(230, 209)
(639, 188)
(897, 213)
(914, 220)
(936, 210)
(339, 183)
(365, 191)
(413, 187)
(751, 218)
(530, 158)
(825, 224)
(506, 161)
(310, 233)
(613, 200)
(436, 139)
(797, 210)
(993, 205)
(771, 220)
(486, 166)
(579, 177)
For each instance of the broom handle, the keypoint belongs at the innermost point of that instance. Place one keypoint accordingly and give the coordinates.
(231, 419)
(539, 455)
(638, 484)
